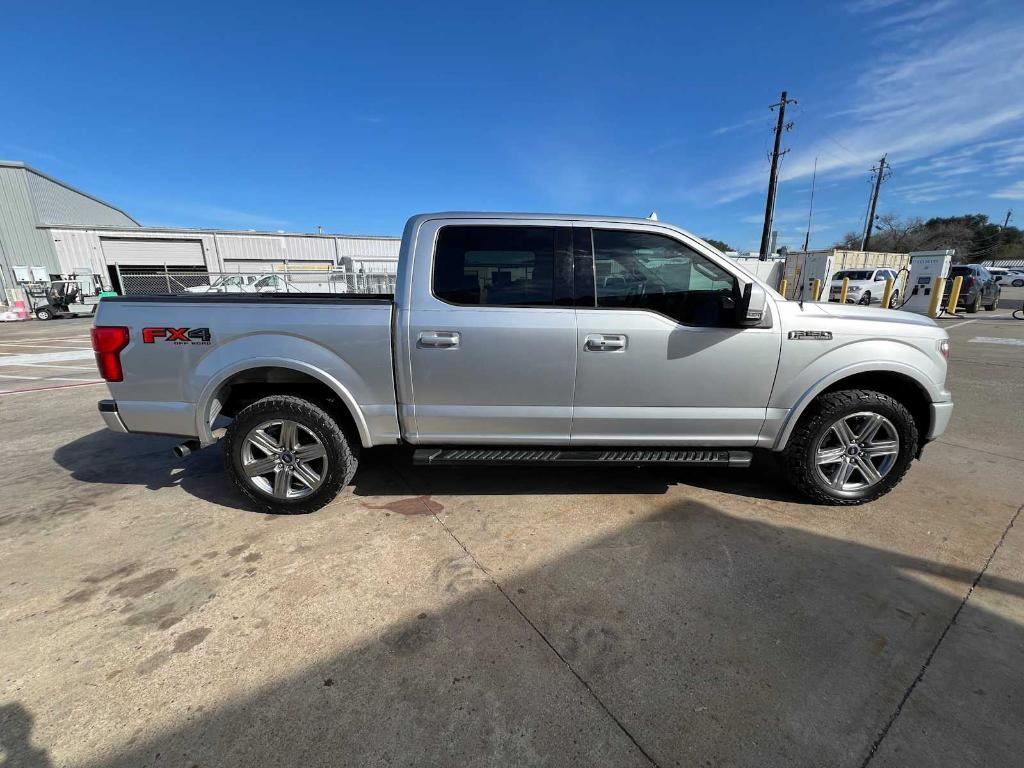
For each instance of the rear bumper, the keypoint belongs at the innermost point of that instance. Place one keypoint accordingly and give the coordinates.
(108, 410)
(940, 416)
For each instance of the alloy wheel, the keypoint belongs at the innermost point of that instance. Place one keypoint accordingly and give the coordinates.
(284, 459)
(856, 452)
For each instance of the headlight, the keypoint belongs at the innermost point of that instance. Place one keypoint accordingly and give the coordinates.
(853, 289)
(944, 348)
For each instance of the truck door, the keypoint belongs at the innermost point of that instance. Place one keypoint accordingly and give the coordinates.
(491, 335)
(659, 360)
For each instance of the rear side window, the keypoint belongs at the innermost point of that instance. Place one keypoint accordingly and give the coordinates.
(495, 266)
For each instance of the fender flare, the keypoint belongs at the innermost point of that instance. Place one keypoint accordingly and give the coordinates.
(883, 366)
(203, 426)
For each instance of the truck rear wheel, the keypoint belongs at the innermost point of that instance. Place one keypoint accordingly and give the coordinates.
(288, 455)
(852, 447)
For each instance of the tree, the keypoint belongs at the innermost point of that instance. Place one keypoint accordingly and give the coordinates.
(972, 236)
(719, 244)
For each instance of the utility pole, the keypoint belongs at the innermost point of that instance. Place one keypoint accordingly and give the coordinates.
(773, 178)
(1001, 235)
(810, 211)
(880, 176)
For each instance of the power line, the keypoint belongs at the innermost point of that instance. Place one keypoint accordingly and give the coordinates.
(773, 177)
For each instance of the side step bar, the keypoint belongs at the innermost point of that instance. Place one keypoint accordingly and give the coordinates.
(581, 457)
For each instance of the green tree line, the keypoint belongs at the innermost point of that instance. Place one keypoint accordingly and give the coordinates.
(973, 237)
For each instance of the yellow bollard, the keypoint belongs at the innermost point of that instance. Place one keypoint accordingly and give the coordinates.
(887, 293)
(815, 289)
(844, 290)
(954, 294)
(933, 305)
(783, 285)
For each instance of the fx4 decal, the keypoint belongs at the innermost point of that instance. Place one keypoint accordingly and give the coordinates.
(178, 336)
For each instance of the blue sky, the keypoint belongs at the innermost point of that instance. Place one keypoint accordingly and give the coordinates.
(354, 116)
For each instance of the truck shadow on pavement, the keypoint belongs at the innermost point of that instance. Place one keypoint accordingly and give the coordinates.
(692, 634)
(147, 460)
(16, 739)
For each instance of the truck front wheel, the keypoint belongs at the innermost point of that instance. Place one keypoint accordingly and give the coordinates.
(852, 447)
(288, 455)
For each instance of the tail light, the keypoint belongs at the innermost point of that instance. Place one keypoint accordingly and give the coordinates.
(107, 343)
(969, 284)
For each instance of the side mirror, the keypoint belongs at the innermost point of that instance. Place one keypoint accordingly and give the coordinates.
(750, 308)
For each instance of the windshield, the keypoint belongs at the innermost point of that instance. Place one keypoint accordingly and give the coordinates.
(960, 271)
(853, 274)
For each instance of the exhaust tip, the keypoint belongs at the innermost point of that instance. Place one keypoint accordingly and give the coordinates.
(186, 448)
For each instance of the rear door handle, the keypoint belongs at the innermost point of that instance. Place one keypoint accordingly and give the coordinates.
(605, 342)
(438, 340)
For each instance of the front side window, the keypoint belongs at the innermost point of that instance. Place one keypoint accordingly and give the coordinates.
(641, 270)
(495, 266)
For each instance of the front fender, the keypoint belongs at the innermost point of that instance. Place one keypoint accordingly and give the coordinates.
(804, 380)
(291, 352)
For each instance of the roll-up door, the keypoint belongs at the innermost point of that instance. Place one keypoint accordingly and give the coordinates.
(156, 252)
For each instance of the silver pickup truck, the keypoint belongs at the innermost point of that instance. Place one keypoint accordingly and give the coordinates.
(532, 340)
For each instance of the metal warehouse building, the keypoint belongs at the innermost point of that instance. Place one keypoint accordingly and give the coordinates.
(49, 229)
(31, 200)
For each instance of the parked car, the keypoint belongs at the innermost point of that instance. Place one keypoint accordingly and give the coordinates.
(866, 286)
(978, 289)
(1005, 276)
(249, 283)
(531, 340)
(239, 283)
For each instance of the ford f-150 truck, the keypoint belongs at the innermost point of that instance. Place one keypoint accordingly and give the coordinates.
(525, 339)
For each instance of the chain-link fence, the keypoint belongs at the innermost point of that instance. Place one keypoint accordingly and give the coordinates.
(367, 278)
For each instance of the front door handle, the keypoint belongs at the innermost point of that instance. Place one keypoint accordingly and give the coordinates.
(605, 342)
(438, 340)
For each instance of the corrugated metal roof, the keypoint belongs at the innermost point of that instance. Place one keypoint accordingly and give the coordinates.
(124, 220)
(57, 204)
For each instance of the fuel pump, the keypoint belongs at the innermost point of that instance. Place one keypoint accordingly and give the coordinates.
(925, 266)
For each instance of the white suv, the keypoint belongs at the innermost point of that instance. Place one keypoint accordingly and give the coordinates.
(866, 286)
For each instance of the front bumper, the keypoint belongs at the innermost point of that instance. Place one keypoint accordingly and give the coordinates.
(108, 410)
(941, 414)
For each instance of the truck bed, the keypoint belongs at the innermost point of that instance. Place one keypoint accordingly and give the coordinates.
(184, 353)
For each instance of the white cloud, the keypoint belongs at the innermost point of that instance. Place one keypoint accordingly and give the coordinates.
(1013, 192)
(914, 102)
(763, 120)
(871, 6)
(207, 215)
(923, 11)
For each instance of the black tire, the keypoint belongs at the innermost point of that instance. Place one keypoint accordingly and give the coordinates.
(995, 303)
(866, 299)
(44, 313)
(798, 457)
(894, 300)
(342, 453)
(975, 305)
(1018, 283)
